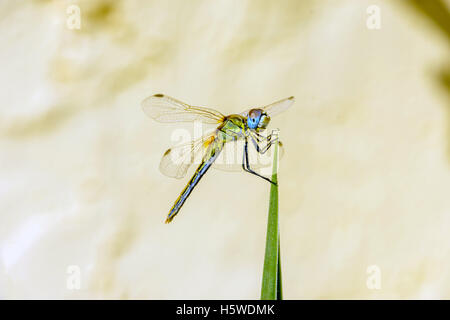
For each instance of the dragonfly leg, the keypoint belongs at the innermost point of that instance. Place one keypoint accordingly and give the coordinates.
(246, 165)
(261, 137)
(267, 147)
(269, 140)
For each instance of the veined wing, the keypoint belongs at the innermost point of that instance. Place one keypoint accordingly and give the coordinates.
(163, 108)
(177, 160)
(275, 108)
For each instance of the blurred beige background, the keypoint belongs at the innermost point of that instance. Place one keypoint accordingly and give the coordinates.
(364, 180)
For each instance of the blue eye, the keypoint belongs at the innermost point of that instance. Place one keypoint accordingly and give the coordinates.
(252, 122)
(253, 118)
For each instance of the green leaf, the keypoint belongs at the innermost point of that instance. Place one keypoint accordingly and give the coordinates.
(271, 288)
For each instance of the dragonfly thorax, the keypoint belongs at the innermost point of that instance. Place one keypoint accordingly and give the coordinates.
(257, 119)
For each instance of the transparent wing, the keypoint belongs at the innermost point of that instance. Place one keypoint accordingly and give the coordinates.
(279, 106)
(231, 157)
(163, 108)
(275, 108)
(177, 160)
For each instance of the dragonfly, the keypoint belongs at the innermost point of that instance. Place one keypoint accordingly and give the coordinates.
(246, 126)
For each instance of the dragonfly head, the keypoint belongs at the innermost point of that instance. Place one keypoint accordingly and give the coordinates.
(257, 119)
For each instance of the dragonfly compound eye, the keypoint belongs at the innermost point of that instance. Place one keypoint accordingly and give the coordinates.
(253, 118)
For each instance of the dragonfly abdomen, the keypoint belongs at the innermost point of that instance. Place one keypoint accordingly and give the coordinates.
(212, 154)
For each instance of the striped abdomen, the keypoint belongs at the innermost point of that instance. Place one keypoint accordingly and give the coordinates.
(213, 152)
